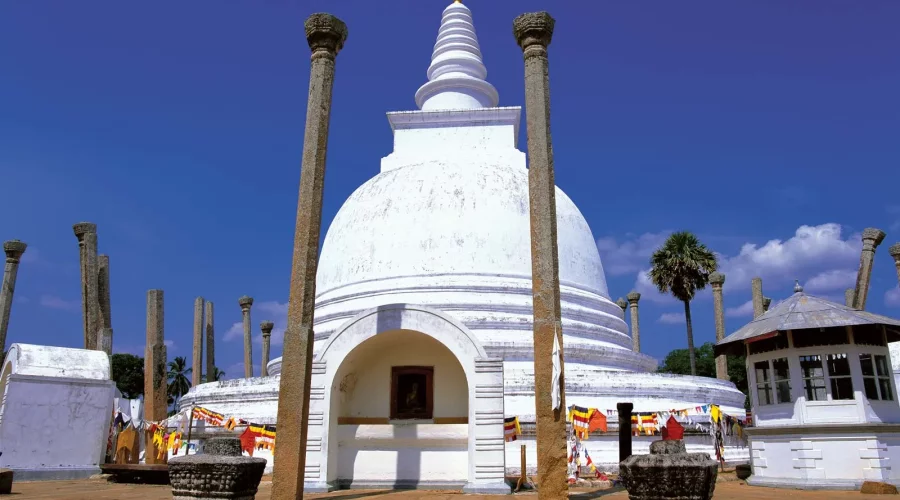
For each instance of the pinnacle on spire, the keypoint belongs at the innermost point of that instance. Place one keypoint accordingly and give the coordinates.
(456, 76)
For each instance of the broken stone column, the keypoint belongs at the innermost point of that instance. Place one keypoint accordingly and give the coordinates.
(219, 472)
(326, 35)
(86, 232)
(266, 327)
(155, 374)
(848, 297)
(633, 299)
(717, 280)
(533, 32)
(14, 250)
(623, 304)
(210, 343)
(767, 301)
(105, 336)
(871, 238)
(246, 303)
(756, 290)
(197, 361)
(895, 253)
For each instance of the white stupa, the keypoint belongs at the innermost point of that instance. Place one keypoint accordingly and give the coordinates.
(428, 265)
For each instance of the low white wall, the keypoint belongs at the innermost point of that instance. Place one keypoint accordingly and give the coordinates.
(604, 451)
(403, 455)
(54, 426)
(826, 457)
(363, 384)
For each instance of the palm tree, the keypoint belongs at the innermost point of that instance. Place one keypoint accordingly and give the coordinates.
(681, 266)
(179, 384)
(217, 375)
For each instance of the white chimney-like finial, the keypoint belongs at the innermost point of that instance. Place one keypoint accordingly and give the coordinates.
(456, 76)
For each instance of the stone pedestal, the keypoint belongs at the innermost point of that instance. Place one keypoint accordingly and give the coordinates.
(221, 472)
(669, 473)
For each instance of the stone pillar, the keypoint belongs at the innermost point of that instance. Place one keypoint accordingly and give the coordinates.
(623, 304)
(210, 342)
(197, 361)
(767, 301)
(848, 297)
(14, 250)
(326, 35)
(624, 410)
(155, 379)
(756, 290)
(533, 32)
(86, 232)
(871, 238)
(246, 302)
(633, 299)
(895, 253)
(105, 338)
(266, 327)
(717, 280)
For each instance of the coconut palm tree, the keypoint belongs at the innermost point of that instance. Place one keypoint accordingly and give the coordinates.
(217, 375)
(681, 266)
(179, 383)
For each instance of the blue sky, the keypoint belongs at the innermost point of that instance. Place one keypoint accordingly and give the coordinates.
(768, 128)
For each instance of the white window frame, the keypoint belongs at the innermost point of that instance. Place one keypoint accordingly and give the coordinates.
(773, 382)
(877, 377)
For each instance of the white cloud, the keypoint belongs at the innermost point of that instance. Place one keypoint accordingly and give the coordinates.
(745, 309)
(671, 318)
(812, 249)
(835, 279)
(820, 254)
(631, 254)
(54, 302)
(892, 297)
(271, 310)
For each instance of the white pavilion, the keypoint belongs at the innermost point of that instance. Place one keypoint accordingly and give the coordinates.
(823, 395)
(423, 321)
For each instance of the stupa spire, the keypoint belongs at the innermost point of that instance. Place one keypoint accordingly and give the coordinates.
(456, 76)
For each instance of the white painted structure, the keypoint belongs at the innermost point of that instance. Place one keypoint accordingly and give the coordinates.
(433, 253)
(824, 399)
(55, 411)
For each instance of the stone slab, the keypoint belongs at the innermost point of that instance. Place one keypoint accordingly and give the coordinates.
(878, 488)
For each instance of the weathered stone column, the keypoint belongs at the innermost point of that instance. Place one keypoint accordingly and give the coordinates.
(623, 304)
(633, 299)
(767, 301)
(266, 327)
(105, 335)
(210, 342)
(624, 410)
(326, 35)
(895, 253)
(717, 280)
(197, 361)
(871, 238)
(246, 303)
(756, 290)
(155, 380)
(533, 32)
(848, 297)
(14, 250)
(86, 232)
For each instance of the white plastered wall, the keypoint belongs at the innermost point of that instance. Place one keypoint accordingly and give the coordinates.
(55, 411)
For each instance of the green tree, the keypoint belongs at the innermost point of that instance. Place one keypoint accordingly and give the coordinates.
(179, 384)
(128, 374)
(678, 362)
(217, 375)
(681, 266)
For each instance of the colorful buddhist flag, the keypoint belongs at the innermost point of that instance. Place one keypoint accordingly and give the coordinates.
(511, 428)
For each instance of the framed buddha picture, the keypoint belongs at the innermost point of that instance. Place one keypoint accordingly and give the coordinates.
(412, 392)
